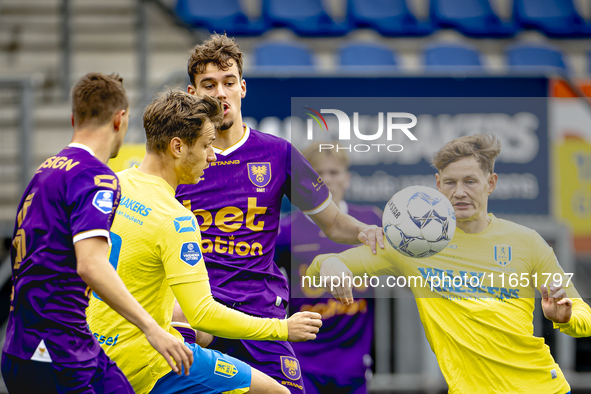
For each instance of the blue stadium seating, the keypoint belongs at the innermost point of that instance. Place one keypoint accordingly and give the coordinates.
(367, 56)
(473, 18)
(283, 56)
(307, 18)
(218, 16)
(555, 18)
(390, 18)
(535, 58)
(448, 56)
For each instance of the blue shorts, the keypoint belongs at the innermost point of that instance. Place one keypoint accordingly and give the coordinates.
(211, 372)
(273, 358)
(99, 375)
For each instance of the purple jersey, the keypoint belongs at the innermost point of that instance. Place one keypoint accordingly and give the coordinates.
(347, 331)
(72, 196)
(237, 205)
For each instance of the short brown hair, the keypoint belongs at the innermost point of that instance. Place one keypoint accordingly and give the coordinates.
(179, 114)
(314, 155)
(484, 148)
(96, 97)
(220, 50)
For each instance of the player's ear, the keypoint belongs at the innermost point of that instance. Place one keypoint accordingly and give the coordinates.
(72, 116)
(243, 88)
(191, 89)
(118, 119)
(438, 181)
(492, 182)
(175, 145)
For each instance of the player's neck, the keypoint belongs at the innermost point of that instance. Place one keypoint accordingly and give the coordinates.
(99, 140)
(474, 226)
(160, 166)
(226, 138)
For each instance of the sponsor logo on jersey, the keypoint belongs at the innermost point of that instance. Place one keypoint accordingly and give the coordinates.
(503, 254)
(290, 367)
(259, 173)
(103, 201)
(191, 253)
(224, 163)
(185, 224)
(225, 368)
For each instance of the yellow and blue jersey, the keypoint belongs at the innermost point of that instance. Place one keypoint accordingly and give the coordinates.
(482, 331)
(155, 245)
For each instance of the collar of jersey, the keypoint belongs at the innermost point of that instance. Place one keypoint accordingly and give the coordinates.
(233, 148)
(136, 174)
(493, 220)
(80, 146)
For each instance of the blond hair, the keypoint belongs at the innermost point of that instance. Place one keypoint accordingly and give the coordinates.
(484, 148)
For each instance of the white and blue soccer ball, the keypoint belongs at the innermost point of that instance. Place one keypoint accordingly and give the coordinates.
(419, 221)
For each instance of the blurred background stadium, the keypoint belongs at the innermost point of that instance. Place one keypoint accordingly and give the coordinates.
(329, 48)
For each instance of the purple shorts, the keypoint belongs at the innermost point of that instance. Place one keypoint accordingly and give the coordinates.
(273, 358)
(318, 384)
(99, 375)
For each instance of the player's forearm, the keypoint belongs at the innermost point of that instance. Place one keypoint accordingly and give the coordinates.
(579, 325)
(360, 261)
(207, 315)
(346, 229)
(338, 226)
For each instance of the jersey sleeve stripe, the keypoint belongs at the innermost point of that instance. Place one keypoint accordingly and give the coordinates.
(92, 233)
(180, 324)
(320, 207)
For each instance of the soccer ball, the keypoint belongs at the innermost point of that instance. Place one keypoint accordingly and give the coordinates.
(419, 221)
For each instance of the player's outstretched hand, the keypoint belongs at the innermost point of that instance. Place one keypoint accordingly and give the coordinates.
(371, 236)
(303, 326)
(335, 272)
(557, 306)
(174, 351)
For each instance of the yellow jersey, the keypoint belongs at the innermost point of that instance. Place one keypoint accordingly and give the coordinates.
(482, 330)
(156, 250)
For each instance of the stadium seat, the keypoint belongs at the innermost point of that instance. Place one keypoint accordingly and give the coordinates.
(390, 18)
(555, 18)
(447, 56)
(283, 56)
(535, 58)
(367, 56)
(474, 18)
(218, 16)
(307, 18)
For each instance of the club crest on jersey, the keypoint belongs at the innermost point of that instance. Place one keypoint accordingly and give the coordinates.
(225, 368)
(290, 367)
(503, 254)
(103, 201)
(191, 253)
(259, 173)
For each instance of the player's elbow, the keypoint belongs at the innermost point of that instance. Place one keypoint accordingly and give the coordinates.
(86, 268)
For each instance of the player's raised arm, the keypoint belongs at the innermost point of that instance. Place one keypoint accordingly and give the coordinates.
(205, 314)
(343, 228)
(94, 268)
(561, 302)
(331, 268)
